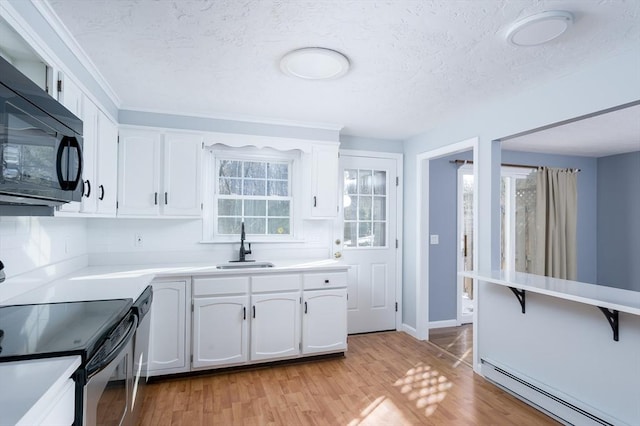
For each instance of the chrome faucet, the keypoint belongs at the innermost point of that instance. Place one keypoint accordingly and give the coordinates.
(243, 251)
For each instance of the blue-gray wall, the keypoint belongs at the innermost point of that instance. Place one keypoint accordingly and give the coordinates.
(619, 221)
(443, 215)
(590, 88)
(207, 124)
(370, 144)
(443, 210)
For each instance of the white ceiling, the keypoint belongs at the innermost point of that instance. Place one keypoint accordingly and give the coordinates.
(414, 63)
(611, 133)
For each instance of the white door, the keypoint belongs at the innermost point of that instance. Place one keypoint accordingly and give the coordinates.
(324, 321)
(369, 218)
(220, 330)
(275, 325)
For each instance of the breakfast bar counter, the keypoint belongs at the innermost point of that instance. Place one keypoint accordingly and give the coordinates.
(571, 348)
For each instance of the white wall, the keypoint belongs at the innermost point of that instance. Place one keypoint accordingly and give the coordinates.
(28, 243)
(178, 240)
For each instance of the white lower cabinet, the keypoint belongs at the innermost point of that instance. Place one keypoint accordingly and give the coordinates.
(238, 319)
(220, 330)
(167, 341)
(275, 325)
(324, 321)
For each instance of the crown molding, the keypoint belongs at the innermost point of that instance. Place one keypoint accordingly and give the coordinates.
(67, 38)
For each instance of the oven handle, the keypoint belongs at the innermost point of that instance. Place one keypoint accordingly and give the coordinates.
(92, 370)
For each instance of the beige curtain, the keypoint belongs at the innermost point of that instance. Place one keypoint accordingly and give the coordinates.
(556, 217)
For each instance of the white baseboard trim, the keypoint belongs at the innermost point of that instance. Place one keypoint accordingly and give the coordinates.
(409, 330)
(442, 324)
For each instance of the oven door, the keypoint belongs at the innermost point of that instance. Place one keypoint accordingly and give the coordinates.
(110, 382)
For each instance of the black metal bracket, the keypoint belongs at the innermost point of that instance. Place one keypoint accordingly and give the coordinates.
(612, 317)
(520, 294)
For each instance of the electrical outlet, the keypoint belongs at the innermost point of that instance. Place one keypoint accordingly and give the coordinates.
(434, 239)
(138, 240)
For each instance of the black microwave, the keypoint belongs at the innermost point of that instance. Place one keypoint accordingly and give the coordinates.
(40, 146)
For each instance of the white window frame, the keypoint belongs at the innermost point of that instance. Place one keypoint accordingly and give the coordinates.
(511, 173)
(210, 205)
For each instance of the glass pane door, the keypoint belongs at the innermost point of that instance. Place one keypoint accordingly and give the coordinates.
(365, 208)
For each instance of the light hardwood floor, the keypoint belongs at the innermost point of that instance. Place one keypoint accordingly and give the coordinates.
(385, 379)
(456, 340)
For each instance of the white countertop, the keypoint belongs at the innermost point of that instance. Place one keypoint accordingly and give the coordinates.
(30, 386)
(128, 281)
(24, 383)
(591, 294)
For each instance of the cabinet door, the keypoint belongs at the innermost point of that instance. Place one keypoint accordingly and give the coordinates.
(89, 152)
(220, 330)
(275, 325)
(168, 321)
(106, 159)
(138, 173)
(70, 95)
(181, 174)
(324, 182)
(324, 321)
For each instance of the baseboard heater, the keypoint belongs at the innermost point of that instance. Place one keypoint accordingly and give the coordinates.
(559, 406)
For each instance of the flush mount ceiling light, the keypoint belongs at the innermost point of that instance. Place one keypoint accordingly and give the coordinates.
(539, 28)
(315, 63)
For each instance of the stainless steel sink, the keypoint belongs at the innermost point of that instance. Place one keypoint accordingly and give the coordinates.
(245, 265)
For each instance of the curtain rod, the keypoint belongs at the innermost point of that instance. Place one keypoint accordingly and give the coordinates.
(524, 166)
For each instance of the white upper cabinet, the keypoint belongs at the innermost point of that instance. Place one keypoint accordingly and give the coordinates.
(69, 94)
(99, 154)
(159, 173)
(324, 182)
(89, 149)
(182, 167)
(106, 166)
(139, 172)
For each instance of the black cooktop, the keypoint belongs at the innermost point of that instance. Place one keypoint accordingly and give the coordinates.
(58, 329)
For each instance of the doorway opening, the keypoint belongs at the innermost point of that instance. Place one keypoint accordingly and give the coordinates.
(423, 263)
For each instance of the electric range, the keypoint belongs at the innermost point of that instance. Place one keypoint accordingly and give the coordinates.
(58, 329)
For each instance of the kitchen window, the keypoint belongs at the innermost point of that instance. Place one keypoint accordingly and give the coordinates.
(253, 187)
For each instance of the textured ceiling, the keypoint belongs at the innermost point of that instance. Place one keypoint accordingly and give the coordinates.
(414, 63)
(612, 133)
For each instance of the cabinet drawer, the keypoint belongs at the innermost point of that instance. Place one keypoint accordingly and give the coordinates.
(280, 282)
(220, 285)
(325, 280)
